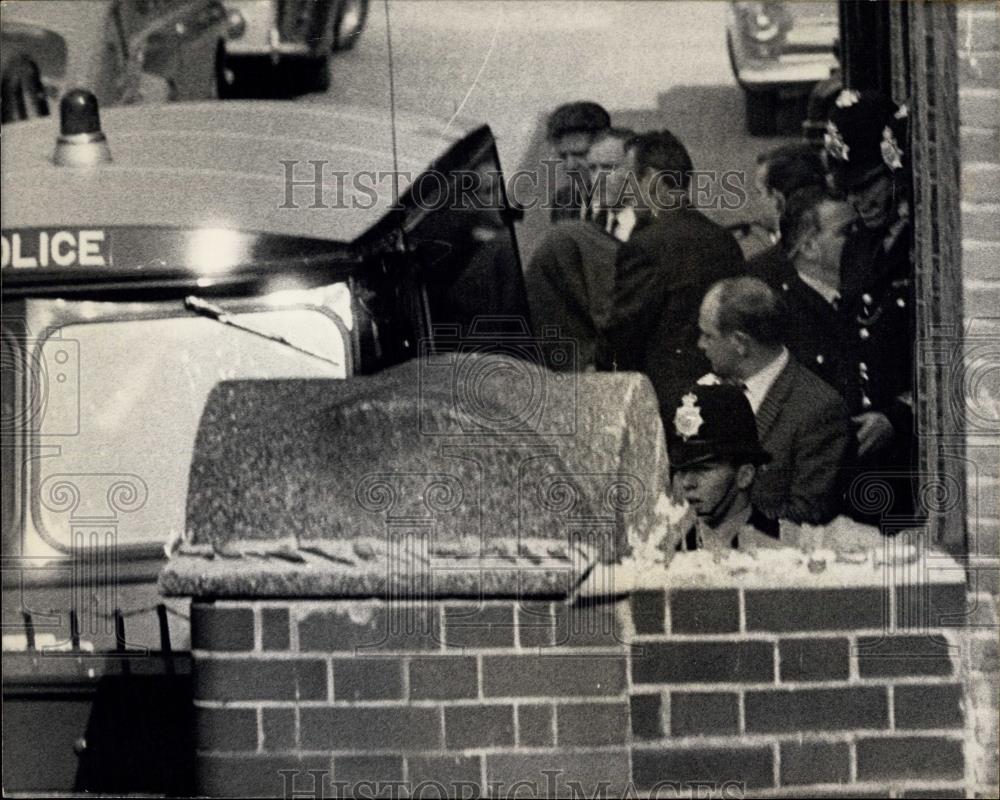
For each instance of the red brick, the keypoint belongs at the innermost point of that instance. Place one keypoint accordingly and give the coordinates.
(226, 729)
(257, 679)
(458, 776)
(699, 713)
(536, 624)
(553, 676)
(935, 606)
(981, 224)
(814, 659)
(578, 774)
(980, 260)
(588, 624)
(274, 628)
(984, 74)
(279, 728)
(649, 611)
(467, 727)
(803, 763)
(910, 758)
(978, 109)
(684, 768)
(816, 609)
(646, 712)
(365, 678)
(220, 628)
(591, 724)
(981, 145)
(443, 677)
(263, 776)
(535, 725)
(703, 662)
(704, 611)
(937, 794)
(979, 185)
(479, 626)
(390, 627)
(935, 706)
(365, 728)
(900, 656)
(368, 776)
(816, 709)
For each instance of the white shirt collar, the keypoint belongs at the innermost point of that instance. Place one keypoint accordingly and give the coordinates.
(626, 222)
(759, 384)
(824, 290)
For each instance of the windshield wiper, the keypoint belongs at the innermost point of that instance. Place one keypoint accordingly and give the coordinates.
(211, 311)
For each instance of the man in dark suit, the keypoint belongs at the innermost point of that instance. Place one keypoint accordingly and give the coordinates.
(664, 269)
(570, 130)
(801, 421)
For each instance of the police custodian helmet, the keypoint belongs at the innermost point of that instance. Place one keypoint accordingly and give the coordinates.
(713, 423)
(865, 134)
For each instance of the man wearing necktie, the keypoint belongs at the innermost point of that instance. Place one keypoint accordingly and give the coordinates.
(802, 422)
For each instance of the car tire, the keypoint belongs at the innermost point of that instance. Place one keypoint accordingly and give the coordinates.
(348, 23)
(762, 112)
(22, 94)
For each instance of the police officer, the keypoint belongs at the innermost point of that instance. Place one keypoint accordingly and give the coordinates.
(714, 455)
(866, 153)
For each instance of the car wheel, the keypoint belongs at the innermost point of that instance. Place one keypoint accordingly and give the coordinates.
(22, 95)
(762, 112)
(350, 19)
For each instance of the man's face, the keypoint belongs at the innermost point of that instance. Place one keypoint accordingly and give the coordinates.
(721, 349)
(572, 150)
(872, 198)
(603, 159)
(709, 487)
(622, 185)
(835, 220)
(773, 202)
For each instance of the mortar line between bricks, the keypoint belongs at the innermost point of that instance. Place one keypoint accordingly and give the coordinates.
(406, 679)
(878, 788)
(741, 712)
(776, 764)
(728, 741)
(798, 686)
(770, 636)
(741, 609)
(890, 706)
(258, 629)
(331, 695)
(852, 759)
(399, 702)
(260, 729)
(480, 692)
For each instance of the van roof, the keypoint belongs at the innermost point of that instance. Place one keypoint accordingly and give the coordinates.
(224, 165)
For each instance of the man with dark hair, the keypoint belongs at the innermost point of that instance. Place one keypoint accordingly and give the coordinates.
(780, 173)
(570, 278)
(715, 457)
(801, 421)
(663, 270)
(570, 131)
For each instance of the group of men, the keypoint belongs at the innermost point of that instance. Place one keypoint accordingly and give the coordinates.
(785, 383)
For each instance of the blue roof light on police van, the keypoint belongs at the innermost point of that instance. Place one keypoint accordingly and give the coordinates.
(81, 142)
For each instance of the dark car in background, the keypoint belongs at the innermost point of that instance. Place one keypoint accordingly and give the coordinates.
(124, 51)
(779, 51)
(176, 253)
(288, 43)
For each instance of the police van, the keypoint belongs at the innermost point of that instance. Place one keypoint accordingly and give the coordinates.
(148, 253)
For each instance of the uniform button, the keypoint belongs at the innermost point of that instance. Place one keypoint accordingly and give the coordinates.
(820, 359)
(863, 366)
(863, 333)
(866, 299)
(784, 287)
(900, 302)
(865, 402)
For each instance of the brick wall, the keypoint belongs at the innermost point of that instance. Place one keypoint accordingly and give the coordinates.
(785, 692)
(979, 118)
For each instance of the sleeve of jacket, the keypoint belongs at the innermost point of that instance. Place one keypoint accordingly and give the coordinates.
(557, 291)
(638, 281)
(822, 451)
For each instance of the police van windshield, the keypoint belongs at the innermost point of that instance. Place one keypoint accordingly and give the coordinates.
(102, 402)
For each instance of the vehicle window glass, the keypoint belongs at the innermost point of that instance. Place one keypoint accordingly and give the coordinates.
(132, 401)
(472, 265)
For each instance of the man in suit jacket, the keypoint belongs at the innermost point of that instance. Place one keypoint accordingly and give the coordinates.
(801, 421)
(663, 270)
